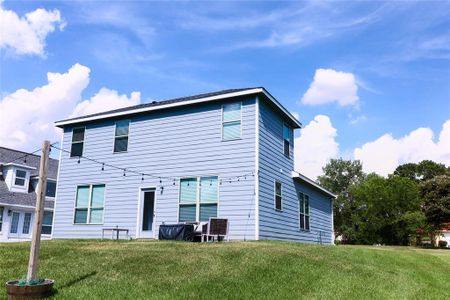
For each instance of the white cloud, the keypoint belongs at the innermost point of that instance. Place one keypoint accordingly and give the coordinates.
(385, 153)
(105, 100)
(26, 35)
(27, 116)
(357, 119)
(332, 86)
(315, 146)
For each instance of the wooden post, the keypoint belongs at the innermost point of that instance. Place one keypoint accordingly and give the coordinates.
(39, 213)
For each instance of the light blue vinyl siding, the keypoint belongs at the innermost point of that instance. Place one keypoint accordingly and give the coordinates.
(274, 165)
(183, 143)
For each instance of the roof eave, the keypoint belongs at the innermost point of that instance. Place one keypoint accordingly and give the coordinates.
(20, 166)
(313, 183)
(63, 123)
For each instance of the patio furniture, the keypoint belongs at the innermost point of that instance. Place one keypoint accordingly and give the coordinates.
(115, 230)
(180, 232)
(216, 227)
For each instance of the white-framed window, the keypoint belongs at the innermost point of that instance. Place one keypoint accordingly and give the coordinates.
(287, 140)
(47, 222)
(51, 189)
(89, 204)
(1, 217)
(198, 199)
(26, 223)
(121, 136)
(77, 142)
(278, 195)
(20, 178)
(304, 211)
(231, 121)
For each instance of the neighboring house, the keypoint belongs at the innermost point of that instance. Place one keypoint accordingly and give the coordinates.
(18, 183)
(205, 149)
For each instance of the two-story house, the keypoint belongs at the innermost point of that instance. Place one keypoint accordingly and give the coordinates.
(228, 154)
(18, 184)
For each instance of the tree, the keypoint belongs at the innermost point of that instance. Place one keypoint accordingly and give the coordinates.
(425, 170)
(436, 201)
(339, 176)
(387, 210)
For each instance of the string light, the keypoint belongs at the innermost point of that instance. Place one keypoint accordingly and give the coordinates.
(142, 174)
(21, 157)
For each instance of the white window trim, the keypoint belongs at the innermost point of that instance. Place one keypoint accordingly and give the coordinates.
(88, 221)
(197, 200)
(275, 195)
(119, 136)
(26, 179)
(56, 186)
(308, 214)
(77, 142)
(232, 121)
(53, 217)
(291, 138)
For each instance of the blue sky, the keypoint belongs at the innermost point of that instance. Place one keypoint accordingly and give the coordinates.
(392, 59)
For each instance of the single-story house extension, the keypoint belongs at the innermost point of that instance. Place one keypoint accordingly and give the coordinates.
(18, 183)
(227, 154)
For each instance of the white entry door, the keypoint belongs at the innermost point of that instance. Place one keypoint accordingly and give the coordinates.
(20, 225)
(147, 213)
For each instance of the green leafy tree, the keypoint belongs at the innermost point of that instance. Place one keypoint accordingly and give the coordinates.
(436, 201)
(425, 170)
(388, 210)
(339, 175)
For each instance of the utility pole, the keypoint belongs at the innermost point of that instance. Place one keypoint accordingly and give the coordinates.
(39, 213)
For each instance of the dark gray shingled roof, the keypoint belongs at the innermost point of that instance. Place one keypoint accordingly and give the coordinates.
(164, 102)
(32, 160)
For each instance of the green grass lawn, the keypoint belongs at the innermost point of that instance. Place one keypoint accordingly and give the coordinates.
(165, 270)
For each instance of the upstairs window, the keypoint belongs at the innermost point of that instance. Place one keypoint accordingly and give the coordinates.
(89, 204)
(198, 199)
(304, 211)
(287, 140)
(231, 121)
(77, 142)
(51, 189)
(278, 196)
(121, 136)
(20, 178)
